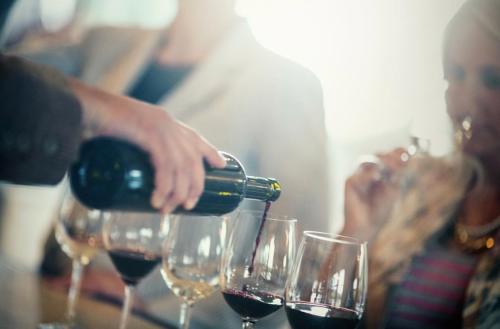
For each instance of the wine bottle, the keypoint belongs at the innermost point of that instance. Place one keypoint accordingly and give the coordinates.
(112, 174)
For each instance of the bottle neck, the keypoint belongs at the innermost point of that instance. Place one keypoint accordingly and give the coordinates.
(264, 189)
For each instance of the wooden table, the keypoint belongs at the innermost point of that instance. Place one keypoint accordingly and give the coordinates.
(26, 301)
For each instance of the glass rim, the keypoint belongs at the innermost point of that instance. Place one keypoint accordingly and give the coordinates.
(193, 216)
(270, 216)
(332, 237)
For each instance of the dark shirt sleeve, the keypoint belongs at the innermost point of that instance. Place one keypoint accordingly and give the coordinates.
(40, 123)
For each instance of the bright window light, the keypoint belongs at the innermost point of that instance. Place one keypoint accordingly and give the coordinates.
(379, 61)
(380, 66)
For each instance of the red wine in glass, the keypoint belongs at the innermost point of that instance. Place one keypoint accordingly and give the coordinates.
(303, 315)
(252, 305)
(133, 266)
(257, 263)
(327, 286)
(133, 242)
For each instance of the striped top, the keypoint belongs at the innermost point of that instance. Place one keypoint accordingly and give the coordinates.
(431, 294)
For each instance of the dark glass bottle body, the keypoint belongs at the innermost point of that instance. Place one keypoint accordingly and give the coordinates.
(115, 175)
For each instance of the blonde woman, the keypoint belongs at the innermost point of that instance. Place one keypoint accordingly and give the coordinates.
(433, 224)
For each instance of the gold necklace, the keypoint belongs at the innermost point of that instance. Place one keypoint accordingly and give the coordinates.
(472, 243)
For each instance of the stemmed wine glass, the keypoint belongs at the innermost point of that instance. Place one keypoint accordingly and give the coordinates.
(256, 264)
(133, 242)
(192, 254)
(327, 287)
(79, 232)
(417, 147)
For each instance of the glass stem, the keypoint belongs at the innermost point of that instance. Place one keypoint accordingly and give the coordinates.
(248, 324)
(127, 305)
(185, 318)
(74, 290)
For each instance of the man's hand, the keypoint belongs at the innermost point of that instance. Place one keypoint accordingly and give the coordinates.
(177, 152)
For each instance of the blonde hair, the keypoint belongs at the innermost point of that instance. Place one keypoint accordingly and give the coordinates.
(432, 193)
(484, 12)
(430, 197)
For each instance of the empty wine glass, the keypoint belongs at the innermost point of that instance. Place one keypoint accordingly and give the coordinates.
(417, 147)
(79, 232)
(192, 255)
(327, 287)
(133, 242)
(256, 264)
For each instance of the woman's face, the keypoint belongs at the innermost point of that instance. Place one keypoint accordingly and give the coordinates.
(472, 69)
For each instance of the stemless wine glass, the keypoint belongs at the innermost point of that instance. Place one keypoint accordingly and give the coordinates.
(133, 242)
(192, 255)
(256, 264)
(79, 232)
(327, 287)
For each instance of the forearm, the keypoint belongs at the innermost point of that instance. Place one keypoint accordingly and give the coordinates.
(93, 104)
(104, 113)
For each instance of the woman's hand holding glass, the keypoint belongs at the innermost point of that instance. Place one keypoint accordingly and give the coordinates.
(371, 191)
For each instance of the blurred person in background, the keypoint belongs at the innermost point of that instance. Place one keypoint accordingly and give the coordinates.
(434, 223)
(30, 25)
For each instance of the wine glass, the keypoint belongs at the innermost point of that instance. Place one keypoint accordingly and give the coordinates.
(327, 287)
(192, 254)
(256, 264)
(78, 231)
(133, 242)
(417, 147)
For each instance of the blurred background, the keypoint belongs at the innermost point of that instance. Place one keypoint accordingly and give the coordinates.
(378, 63)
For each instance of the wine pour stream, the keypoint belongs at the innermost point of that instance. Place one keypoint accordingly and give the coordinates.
(259, 233)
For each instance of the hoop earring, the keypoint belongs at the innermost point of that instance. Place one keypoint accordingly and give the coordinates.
(463, 130)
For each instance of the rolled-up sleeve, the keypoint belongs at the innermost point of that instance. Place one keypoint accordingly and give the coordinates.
(40, 123)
